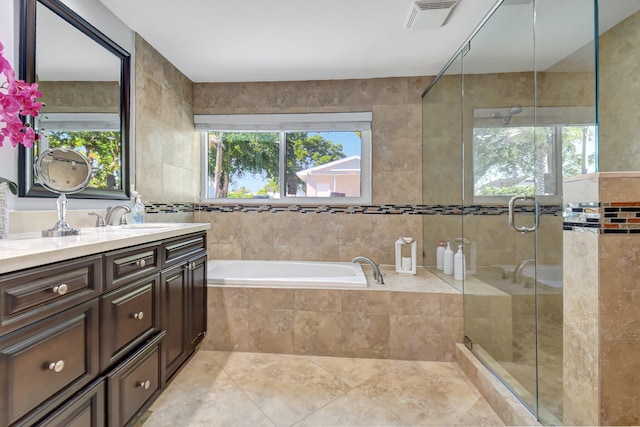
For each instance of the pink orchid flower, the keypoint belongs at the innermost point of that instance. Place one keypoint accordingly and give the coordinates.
(18, 99)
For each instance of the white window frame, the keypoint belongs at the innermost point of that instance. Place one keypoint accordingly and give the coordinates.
(311, 122)
(555, 117)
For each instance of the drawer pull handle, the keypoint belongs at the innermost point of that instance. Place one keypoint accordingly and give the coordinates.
(138, 315)
(61, 289)
(141, 263)
(144, 384)
(56, 366)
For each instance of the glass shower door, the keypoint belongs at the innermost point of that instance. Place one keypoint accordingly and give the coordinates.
(501, 164)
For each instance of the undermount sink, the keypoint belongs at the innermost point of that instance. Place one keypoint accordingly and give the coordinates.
(148, 225)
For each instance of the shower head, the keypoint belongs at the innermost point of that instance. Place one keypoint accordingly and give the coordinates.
(513, 111)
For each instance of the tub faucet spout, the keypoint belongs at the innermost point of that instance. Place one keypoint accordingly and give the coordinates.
(517, 273)
(377, 274)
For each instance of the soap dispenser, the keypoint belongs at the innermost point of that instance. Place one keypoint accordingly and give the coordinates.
(447, 264)
(138, 211)
(440, 256)
(459, 270)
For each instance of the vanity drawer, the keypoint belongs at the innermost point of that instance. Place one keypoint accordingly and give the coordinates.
(32, 295)
(134, 383)
(54, 357)
(180, 249)
(130, 314)
(129, 264)
(84, 410)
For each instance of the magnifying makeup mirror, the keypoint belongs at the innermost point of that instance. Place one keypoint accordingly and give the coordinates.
(62, 171)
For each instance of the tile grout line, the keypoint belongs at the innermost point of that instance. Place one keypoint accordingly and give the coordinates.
(244, 392)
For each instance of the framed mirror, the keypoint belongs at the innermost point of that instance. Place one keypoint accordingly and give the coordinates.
(84, 78)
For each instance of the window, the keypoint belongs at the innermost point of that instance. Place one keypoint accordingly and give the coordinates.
(512, 157)
(287, 158)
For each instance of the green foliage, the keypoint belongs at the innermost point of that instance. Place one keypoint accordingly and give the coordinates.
(258, 153)
(506, 191)
(240, 193)
(102, 148)
(13, 187)
(510, 155)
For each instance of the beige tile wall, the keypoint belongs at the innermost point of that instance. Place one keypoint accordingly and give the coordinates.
(619, 92)
(396, 170)
(309, 237)
(602, 342)
(342, 323)
(75, 96)
(167, 145)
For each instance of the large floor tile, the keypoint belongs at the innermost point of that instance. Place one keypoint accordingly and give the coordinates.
(275, 390)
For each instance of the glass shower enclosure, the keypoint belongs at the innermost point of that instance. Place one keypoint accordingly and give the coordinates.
(516, 110)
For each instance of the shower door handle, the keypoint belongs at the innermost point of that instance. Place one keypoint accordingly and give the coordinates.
(536, 209)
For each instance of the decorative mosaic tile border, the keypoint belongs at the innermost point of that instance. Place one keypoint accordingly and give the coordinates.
(602, 218)
(390, 209)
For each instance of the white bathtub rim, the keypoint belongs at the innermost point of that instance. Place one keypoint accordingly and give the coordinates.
(359, 281)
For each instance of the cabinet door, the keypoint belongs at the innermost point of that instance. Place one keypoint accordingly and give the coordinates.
(197, 324)
(85, 410)
(173, 290)
(130, 315)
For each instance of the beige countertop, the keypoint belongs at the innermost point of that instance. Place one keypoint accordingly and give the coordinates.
(26, 250)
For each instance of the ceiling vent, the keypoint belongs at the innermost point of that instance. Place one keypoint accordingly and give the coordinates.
(429, 13)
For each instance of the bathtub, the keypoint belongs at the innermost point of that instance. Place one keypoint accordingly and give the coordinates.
(300, 274)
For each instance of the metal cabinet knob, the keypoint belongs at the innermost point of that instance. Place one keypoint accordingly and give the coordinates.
(144, 384)
(141, 263)
(60, 289)
(56, 366)
(139, 315)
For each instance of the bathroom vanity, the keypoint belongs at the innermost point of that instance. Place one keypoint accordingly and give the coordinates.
(93, 326)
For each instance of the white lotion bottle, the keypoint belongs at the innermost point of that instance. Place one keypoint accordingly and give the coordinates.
(459, 265)
(447, 264)
(440, 256)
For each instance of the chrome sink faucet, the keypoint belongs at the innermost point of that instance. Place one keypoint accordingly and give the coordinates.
(111, 213)
(377, 274)
(103, 221)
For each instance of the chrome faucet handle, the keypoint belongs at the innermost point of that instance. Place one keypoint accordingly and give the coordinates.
(123, 220)
(99, 219)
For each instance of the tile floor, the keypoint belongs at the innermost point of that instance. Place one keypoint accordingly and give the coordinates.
(257, 389)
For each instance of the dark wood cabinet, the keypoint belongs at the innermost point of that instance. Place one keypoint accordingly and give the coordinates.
(126, 265)
(130, 314)
(133, 384)
(85, 409)
(92, 341)
(184, 299)
(43, 364)
(197, 300)
(174, 290)
(31, 295)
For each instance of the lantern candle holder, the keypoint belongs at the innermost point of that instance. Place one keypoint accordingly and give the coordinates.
(406, 252)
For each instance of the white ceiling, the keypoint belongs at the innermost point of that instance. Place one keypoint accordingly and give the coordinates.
(284, 40)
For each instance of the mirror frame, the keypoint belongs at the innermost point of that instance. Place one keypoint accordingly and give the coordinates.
(26, 158)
